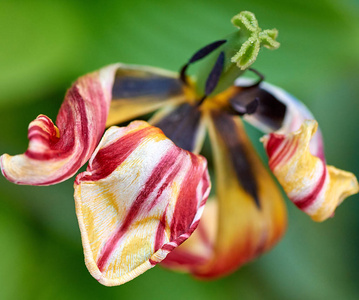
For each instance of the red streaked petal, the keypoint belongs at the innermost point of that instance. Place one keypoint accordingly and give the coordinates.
(56, 153)
(313, 187)
(140, 198)
(296, 151)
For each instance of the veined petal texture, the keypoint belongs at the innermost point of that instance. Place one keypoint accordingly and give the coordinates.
(140, 198)
(56, 153)
(313, 187)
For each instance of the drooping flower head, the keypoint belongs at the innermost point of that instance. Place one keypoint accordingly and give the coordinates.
(146, 186)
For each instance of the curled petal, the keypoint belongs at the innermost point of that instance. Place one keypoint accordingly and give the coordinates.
(251, 215)
(297, 159)
(314, 187)
(140, 198)
(56, 153)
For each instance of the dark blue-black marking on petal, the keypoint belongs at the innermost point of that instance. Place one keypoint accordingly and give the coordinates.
(181, 125)
(269, 110)
(228, 132)
(132, 84)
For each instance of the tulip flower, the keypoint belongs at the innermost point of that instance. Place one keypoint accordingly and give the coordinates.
(142, 196)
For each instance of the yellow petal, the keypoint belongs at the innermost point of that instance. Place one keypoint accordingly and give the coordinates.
(251, 215)
(314, 187)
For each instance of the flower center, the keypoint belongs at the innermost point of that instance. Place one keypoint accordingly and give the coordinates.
(223, 61)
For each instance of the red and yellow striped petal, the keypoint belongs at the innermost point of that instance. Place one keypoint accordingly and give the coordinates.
(238, 227)
(56, 153)
(140, 198)
(314, 187)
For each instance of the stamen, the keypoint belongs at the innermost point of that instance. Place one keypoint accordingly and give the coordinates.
(201, 53)
(247, 109)
(260, 75)
(199, 103)
(215, 74)
(183, 77)
(251, 107)
(240, 49)
(213, 77)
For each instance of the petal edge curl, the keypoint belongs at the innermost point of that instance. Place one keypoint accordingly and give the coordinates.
(56, 153)
(310, 184)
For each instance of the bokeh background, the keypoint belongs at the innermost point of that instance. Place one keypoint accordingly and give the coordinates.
(46, 45)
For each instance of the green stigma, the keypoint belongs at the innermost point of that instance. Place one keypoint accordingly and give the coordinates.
(221, 64)
(248, 52)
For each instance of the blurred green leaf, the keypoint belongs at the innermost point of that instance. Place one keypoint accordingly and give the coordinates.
(38, 47)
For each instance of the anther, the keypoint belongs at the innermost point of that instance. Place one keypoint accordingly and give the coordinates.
(260, 75)
(215, 74)
(200, 101)
(247, 109)
(201, 53)
(213, 77)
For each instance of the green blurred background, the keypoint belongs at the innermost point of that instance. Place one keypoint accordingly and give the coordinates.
(46, 45)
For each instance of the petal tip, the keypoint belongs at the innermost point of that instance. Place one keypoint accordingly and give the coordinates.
(342, 185)
(312, 186)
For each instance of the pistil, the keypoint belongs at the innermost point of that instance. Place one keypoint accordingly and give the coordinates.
(223, 61)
